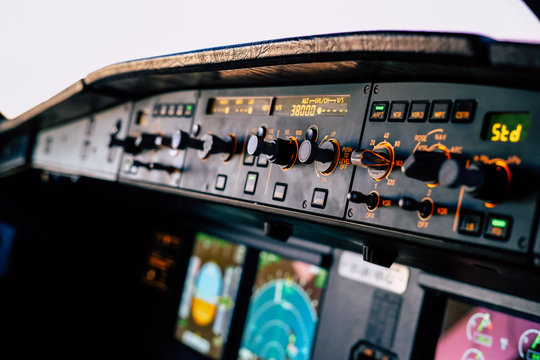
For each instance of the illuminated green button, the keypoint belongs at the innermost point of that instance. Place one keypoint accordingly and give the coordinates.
(188, 110)
(378, 111)
(251, 183)
(498, 227)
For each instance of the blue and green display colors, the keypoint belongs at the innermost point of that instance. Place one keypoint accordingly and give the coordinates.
(282, 316)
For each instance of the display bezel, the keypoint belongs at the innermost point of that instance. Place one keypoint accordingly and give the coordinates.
(255, 243)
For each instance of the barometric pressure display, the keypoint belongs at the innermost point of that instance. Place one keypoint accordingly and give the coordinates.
(323, 105)
(506, 127)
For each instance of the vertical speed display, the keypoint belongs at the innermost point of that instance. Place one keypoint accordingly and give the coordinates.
(312, 105)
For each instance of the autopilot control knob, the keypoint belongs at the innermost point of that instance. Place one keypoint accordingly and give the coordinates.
(379, 161)
(424, 208)
(182, 140)
(213, 144)
(487, 182)
(309, 151)
(279, 151)
(424, 165)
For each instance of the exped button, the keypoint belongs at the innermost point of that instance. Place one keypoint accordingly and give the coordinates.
(498, 227)
(470, 223)
(251, 183)
(319, 198)
(378, 111)
(464, 111)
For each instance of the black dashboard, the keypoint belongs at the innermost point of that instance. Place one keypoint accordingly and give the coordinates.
(354, 196)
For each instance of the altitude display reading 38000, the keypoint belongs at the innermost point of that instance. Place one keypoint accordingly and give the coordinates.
(324, 105)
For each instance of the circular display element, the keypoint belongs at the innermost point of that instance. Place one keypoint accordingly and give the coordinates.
(207, 290)
(478, 328)
(473, 354)
(529, 344)
(282, 323)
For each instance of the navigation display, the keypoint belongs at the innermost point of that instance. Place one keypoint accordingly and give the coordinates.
(478, 333)
(282, 315)
(209, 295)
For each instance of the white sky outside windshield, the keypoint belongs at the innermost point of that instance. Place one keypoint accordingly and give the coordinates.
(45, 46)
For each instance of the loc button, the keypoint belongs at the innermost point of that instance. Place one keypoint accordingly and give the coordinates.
(498, 227)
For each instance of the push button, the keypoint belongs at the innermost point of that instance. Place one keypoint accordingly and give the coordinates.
(221, 181)
(179, 110)
(378, 111)
(470, 223)
(319, 198)
(251, 183)
(262, 160)
(163, 110)
(398, 111)
(440, 111)
(171, 110)
(418, 111)
(464, 111)
(498, 227)
(249, 159)
(280, 190)
(188, 110)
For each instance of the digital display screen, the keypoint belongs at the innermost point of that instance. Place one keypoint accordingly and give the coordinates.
(282, 315)
(507, 127)
(326, 105)
(240, 106)
(478, 333)
(161, 260)
(209, 294)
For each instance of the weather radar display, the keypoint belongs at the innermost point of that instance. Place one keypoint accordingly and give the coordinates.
(282, 315)
(210, 289)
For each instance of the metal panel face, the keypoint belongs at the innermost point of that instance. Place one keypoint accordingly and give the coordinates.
(306, 187)
(485, 142)
(81, 147)
(160, 115)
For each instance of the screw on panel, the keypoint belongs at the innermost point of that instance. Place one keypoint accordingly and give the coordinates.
(376, 89)
(522, 242)
(304, 204)
(366, 89)
(350, 213)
